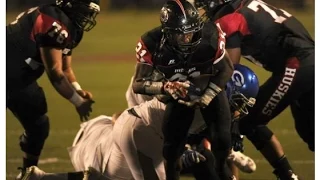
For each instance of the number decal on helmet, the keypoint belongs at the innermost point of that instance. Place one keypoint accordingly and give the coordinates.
(237, 78)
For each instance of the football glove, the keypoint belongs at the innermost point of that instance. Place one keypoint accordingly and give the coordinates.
(204, 100)
(176, 89)
(191, 157)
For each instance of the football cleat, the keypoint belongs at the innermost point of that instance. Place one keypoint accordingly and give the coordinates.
(92, 173)
(33, 173)
(21, 174)
(243, 162)
(289, 175)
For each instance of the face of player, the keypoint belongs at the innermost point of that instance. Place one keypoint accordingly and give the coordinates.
(184, 38)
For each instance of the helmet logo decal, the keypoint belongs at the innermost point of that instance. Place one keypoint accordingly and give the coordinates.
(94, 6)
(237, 78)
(164, 15)
(181, 7)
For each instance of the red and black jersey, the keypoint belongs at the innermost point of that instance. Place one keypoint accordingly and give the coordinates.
(266, 35)
(152, 49)
(42, 26)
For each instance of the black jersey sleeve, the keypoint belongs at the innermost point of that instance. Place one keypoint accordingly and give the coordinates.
(50, 28)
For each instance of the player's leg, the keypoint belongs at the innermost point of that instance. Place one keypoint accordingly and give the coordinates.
(273, 97)
(303, 114)
(30, 107)
(218, 118)
(34, 173)
(176, 123)
(123, 162)
(149, 144)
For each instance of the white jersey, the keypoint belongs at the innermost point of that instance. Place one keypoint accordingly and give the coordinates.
(92, 144)
(133, 99)
(138, 144)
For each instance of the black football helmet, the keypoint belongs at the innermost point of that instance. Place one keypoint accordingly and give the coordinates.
(81, 12)
(181, 26)
(211, 6)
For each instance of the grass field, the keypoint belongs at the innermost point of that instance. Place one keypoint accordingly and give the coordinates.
(104, 63)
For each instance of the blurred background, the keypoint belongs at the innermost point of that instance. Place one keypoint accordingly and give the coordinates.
(147, 4)
(104, 63)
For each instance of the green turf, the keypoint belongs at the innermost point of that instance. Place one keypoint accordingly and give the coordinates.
(115, 37)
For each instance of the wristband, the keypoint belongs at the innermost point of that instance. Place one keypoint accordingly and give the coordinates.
(76, 99)
(76, 86)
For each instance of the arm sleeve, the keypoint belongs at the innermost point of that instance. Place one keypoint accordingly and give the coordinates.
(222, 65)
(50, 32)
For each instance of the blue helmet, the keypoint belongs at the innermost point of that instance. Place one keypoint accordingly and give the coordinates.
(242, 89)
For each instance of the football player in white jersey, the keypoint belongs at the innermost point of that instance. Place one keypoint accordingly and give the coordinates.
(129, 149)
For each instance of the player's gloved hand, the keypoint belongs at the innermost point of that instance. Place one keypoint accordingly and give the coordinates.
(191, 157)
(84, 109)
(176, 89)
(85, 94)
(204, 100)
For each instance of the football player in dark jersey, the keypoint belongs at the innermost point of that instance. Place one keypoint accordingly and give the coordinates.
(41, 39)
(169, 58)
(275, 40)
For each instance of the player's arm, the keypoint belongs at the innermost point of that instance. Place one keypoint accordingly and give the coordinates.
(147, 80)
(143, 82)
(52, 61)
(233, 44)
(68, 72)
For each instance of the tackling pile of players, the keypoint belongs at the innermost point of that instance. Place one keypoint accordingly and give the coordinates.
(190, 101)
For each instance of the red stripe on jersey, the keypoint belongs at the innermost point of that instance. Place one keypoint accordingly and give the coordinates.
(181, 7)
(43, 24)
(142, 53)
(293, 63)
(221, 45)
(234, 22)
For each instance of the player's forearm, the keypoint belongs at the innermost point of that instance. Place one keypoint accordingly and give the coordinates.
(52, 61)
(70, 75)
(72, 78)
(143, 81)
(147, 87)
(64, 88)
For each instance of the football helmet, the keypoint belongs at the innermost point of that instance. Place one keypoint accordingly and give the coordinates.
(242, 89)
(181, 25)
(210, 6)
(81, 12)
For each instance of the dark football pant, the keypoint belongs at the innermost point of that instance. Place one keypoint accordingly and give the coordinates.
(177, 121)
(304, 114)
(276, 94)
(29, 106)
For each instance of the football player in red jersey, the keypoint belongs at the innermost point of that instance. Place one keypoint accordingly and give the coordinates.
(275, 40)
(171, 55)
(41, 39)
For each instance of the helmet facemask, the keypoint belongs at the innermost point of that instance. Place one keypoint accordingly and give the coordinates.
(184, 41)
(240, 102)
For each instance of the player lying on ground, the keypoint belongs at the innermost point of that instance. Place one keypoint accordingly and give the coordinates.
(244, 81)
(136, 153)
(129, 149)
(275, 40)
